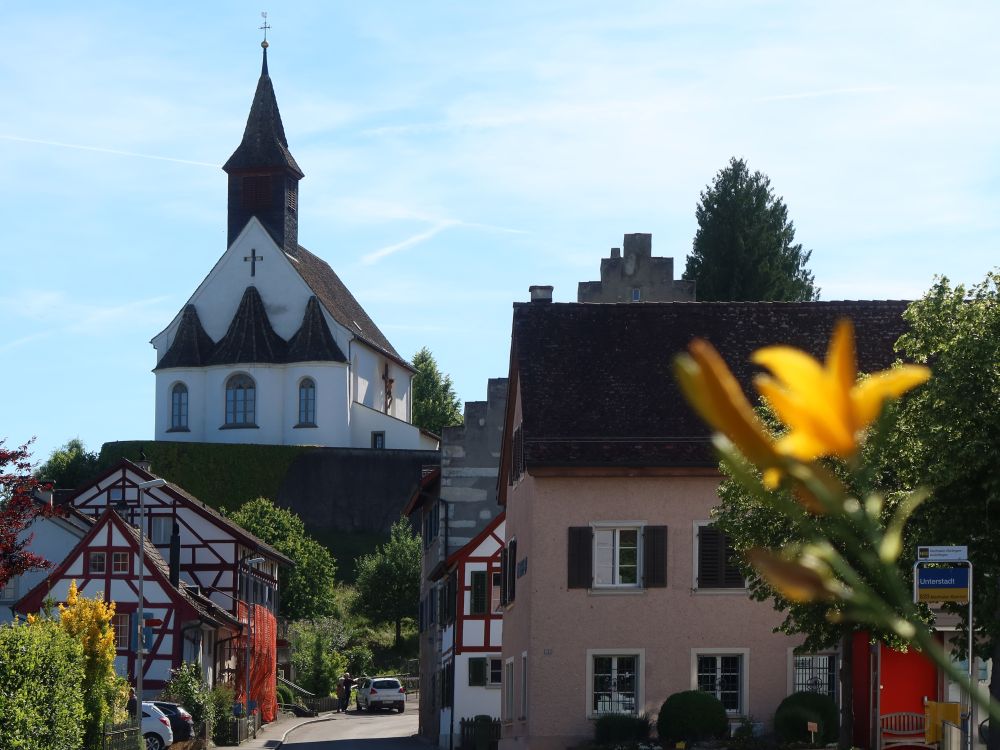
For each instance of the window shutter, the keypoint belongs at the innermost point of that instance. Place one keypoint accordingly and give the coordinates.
(512, 570)
(479, 601)
(452, 596)
(503, 577)
(654, 556)
(711, 551)
(477, 672)
(581, 557)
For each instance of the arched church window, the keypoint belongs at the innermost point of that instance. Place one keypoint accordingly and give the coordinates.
(240, 400)
(179, 407)
(307, 402)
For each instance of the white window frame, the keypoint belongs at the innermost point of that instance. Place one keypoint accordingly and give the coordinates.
(524, 686)
(744, 654)
(490, 682)
(618, 526)
(640, 678)
(9, 590)
(156, 524)
(694, 566)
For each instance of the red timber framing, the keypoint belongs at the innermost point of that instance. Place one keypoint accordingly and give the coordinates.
(211, 546)
(163, 601)
(481, 553)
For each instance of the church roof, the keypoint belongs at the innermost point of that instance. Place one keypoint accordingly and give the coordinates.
(341, 304)
(264, 143)
(313, 342)
(250, 337)
(191, 347)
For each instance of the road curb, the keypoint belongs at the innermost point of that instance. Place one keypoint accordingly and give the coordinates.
(297, 726)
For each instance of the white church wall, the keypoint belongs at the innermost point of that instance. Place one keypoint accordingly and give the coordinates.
(331, 404)
(268, 405)
(368, 376)
(398, 434)
(400, 391)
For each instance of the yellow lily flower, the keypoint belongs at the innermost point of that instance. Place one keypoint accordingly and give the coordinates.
(796, 582)
(714, 393)
(824, 407)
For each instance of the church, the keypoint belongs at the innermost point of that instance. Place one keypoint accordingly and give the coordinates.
(272, 348)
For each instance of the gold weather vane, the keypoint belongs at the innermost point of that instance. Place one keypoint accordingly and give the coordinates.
(265, 26)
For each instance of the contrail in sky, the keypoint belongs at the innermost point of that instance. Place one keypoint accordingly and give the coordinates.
(106, 150)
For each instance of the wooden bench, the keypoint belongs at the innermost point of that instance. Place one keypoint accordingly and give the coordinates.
(903, 729)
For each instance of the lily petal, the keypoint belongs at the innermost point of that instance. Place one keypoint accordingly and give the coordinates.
(795, 581)
(808, 412)
(868, 396)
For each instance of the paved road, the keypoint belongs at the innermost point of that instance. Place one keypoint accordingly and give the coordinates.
(364, 731)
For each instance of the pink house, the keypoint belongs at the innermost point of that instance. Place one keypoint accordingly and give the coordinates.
(618, 590)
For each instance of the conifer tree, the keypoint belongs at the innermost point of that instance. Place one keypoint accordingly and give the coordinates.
(435, 405)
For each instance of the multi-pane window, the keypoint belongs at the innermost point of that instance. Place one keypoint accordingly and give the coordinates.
(722, 676)
(307, 402)
(179, 407)
(378, 440)
(616, 557)
(160, 528)
(717, 568)
(508, 690)
(615, 681)
(485, 671)
(495, 605)
(816, 673)
(496, 671)
(240, 400)
(120, 625)
(119, 562)
(636, 294)
(9, 590)
(98, 562)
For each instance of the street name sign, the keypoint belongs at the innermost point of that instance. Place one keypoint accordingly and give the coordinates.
(943, 585)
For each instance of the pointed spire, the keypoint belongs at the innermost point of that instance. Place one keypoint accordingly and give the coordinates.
(264, 144)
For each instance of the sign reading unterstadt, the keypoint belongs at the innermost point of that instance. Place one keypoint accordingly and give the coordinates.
(927, 553)
(943, 585)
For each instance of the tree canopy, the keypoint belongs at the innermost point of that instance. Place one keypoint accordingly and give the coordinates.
(388, 580)
(435, 405)
(745, 249)
(307, 589)
(17, 511)
(70, 466)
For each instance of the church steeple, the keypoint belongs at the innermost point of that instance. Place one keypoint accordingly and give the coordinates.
(263, 175)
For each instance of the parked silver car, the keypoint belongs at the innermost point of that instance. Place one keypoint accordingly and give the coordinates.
(380, 692)
(155, 728)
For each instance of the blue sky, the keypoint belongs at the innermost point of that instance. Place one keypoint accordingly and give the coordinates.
(456, 153)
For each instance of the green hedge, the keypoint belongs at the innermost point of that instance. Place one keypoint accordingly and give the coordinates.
(692, 716)
(41, 688)
(222, 475)
(798, 709)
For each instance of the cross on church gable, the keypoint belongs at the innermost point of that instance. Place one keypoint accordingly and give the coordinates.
(253, 258)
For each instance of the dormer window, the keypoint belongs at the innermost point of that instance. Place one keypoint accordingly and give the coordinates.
(256, 192)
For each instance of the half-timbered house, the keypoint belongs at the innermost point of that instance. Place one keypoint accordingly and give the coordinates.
(180, 624)
(471, 620)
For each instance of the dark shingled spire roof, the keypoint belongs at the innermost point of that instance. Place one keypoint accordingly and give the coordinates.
(250, 337)
(341, 304)
(313, 342)
(264, 143)
(191, 347)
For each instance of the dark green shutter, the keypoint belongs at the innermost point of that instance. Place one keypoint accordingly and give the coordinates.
(654, 556)
(512, 570)
(477, 672)
(480, 599)
(580, 555)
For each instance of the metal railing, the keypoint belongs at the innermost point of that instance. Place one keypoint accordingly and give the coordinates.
(121, 736)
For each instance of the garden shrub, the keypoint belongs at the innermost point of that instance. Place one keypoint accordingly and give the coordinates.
(621, 728)
(800, 708)
(41, 688)
(222, 697)
(692, 716)
(187, 687)
(285, 694)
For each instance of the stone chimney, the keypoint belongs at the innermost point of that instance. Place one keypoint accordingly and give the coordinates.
(616, 252)
(540, 294)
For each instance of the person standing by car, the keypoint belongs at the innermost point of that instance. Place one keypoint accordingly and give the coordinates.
(348, 684)
(340, 695)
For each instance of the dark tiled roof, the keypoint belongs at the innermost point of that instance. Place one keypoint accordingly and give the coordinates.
(313, 342)
(340, 303)
(264, 143)
(191, 347)
(597, 385)
(250, 337)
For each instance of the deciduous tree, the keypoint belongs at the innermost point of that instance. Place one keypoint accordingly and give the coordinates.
(70, 466)
(307, 589)
(435, 405)
(17, 510)
(388, 580)
(745, 246)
